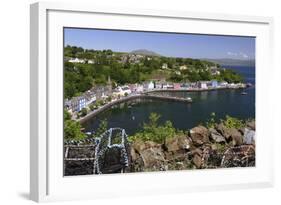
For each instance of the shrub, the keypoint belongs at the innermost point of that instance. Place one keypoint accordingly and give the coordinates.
(84, 111)
(232, 122)
(72, 130)
(152, 131)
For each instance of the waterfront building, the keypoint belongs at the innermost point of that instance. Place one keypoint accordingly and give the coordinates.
(67, 104)
(133, 87)
(121, 91)
(185, 85)
(149, 86)
(158, 85)
(214, 84)
(203, 84)
(223, 84)
(170, 86)
(78, 103)
(177, 86)
(139, 88)
(127, 90)
(90, 97)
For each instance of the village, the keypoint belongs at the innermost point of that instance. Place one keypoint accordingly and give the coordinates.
(101, 95)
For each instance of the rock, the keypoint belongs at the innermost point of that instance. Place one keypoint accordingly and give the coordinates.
(235, 136)
(249, 136)
(222, 130)
(197, 151)
(251, 125)
(140, 145)
(133, 153)
(177, 143)
(153, 158)
(199, 135)
(197, 160)
(216, 136)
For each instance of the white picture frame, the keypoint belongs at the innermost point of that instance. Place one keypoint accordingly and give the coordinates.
(46, 161)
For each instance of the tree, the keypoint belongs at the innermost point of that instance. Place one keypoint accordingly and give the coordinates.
(152, 131)
(92, 107)
(84, 111)
(72, 130)
(66, 115)
(102, 128)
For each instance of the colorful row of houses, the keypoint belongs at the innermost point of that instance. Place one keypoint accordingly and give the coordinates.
(76, 104)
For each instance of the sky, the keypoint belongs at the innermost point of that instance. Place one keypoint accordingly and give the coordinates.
(166, 44)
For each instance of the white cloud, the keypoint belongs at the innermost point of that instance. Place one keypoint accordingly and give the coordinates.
(244, 55)
(231, 53)
(237, 55)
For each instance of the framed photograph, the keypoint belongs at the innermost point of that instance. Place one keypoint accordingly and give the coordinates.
(128, 102)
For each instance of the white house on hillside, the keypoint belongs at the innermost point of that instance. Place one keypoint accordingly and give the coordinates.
(76, 60)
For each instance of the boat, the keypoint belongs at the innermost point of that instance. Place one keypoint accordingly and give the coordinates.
(244, 93)
(249, 85)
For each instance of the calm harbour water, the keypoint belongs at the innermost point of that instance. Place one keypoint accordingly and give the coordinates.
(131, 115)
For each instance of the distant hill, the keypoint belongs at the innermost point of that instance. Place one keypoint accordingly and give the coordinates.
(232, 62)
(145, 52)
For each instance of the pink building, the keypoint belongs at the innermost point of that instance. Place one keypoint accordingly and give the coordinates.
(177, 86)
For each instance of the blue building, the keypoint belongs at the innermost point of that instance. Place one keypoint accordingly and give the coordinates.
(214, 83)
(78, 103)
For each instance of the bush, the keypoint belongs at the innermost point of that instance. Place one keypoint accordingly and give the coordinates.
(152, 131)
(92, 107)
(102, 128)
(84, 112)
(72, 130)
(232, 122)
(212, 121)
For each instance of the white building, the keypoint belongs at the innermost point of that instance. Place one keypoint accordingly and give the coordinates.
(139, 88)
(203, 85)
(150, 85)
(183, 67)
(164, 66)
(121, 91)
(91, 62)
(76, 60)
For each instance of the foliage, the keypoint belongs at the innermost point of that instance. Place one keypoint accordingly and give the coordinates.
(109, 98)
(84, 112)
(92, 107)
(152, 131)
(232, 122)
(72, 130)
(80, 77)
(212, 121)
(228, 121)
(66, 115)
(229, 76)
(102, 128)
